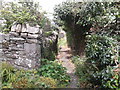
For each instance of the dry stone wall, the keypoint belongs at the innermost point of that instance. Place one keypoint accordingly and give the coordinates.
(49, 42)
(22, 46)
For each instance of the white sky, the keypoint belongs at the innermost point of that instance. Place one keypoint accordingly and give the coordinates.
(48, 6)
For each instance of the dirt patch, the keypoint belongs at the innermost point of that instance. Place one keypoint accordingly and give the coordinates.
(64, 56)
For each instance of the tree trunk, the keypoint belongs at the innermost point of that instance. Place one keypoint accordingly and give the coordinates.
(76, 39)
(79, 39)
(79, 43)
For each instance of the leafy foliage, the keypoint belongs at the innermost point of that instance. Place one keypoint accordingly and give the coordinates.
(54, 70)
(97, 69)
(22, 13)
(82, 71)
(48, 53)
(101, 51)
(77, 18)
(7, 73)
(14, 78)
(106, 78)
(114, 82)
(86, 13)
(35, 82)
(102, 55)
(49, 82)
(50, 75)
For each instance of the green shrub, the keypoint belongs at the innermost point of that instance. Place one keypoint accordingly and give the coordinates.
(107, 78)
(54, 70)
(82, 71)
(101, 51)
(113, 82)
(22, 83)
(14, 78)
(35, 82)
(7, 73)
(22, 13)
(102, 54)
(44, 61)
(48, 53)
(49, 82)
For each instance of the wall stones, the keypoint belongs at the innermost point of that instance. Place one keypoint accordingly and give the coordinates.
(33, 30)
(14, 34)
(33, 36)
(22, 46)
(49, 44)
(24, 35)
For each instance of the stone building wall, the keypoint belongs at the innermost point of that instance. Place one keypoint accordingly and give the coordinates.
(22, 46)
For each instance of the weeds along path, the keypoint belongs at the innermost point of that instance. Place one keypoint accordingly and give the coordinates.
(64, 56)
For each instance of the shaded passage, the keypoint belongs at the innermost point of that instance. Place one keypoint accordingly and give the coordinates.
(64, 56)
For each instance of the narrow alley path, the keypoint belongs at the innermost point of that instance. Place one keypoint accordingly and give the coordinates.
(64, 56)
